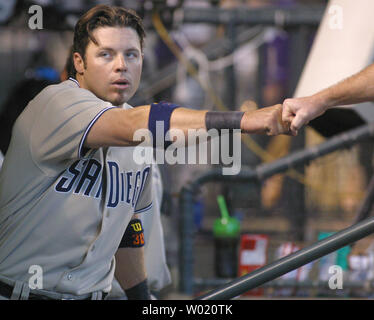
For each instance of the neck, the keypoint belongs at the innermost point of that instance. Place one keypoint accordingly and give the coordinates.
(80, 80)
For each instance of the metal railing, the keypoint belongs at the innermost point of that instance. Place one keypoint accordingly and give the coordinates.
(282, 266)
(292, 261)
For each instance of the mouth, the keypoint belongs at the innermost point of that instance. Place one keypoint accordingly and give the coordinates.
(121, 84)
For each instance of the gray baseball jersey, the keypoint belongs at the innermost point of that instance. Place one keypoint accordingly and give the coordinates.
(64, 208)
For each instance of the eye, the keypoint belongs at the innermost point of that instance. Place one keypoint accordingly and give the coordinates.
(104, 54)
(132, 55)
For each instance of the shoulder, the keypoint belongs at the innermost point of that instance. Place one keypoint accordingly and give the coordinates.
(65, 88)
(64, 94)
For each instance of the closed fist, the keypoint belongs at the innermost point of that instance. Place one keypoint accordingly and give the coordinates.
(266, 121)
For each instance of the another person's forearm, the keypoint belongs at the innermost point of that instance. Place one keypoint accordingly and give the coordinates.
(355, 89)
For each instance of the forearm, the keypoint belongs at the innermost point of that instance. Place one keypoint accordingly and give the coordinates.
(130, 267)
(184, 119)
(355, 89)
(265, 120)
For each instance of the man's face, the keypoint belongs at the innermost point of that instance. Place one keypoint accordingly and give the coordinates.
(112, 69)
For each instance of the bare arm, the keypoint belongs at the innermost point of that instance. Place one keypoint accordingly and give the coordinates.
(355, 89)
(130, 266)
(116, 127)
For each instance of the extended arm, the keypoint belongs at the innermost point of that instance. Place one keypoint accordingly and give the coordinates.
(355, 89)
(116, 127)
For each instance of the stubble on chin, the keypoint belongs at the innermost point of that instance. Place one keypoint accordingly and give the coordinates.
(119, 101)
(115, 98)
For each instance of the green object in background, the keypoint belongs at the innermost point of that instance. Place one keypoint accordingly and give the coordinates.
(225, 226)
(341, 254)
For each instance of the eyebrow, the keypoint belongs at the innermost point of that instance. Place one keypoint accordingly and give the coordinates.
(111, 49)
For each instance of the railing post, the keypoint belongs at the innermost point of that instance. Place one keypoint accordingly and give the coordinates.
(292, 261)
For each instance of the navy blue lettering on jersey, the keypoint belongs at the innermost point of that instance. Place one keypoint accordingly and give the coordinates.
(128, 179)
(136, 187)
(84, 177)
(100, 189)
(92, 165)
(73, 169)
(114, 189)
(122, 186)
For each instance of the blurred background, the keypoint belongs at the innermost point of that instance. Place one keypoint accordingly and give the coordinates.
(232, 55)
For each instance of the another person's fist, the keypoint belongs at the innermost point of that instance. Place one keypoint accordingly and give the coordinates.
(265, 120)
(299, 111)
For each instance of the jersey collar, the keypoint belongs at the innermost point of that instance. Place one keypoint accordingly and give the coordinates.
(72, 79)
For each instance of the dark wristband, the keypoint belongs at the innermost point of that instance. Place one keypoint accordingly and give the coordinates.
(223, 120)
(160, 112)
(139, 292)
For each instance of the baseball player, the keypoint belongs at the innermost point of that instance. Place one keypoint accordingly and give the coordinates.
(154, 249)
(70, 190)
(158, 274)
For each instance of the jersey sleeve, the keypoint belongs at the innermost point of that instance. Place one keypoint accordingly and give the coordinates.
(59, 131)
(145, 199)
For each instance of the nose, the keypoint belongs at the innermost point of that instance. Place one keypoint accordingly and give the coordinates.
(121, 63)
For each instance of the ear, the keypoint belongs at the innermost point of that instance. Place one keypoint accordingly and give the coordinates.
(78, 63)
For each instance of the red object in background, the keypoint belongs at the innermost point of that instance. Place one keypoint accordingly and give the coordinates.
(252, 255)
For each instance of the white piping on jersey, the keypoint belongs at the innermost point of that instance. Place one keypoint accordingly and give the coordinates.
(80, 155)
(145, 208)
(72, 79)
